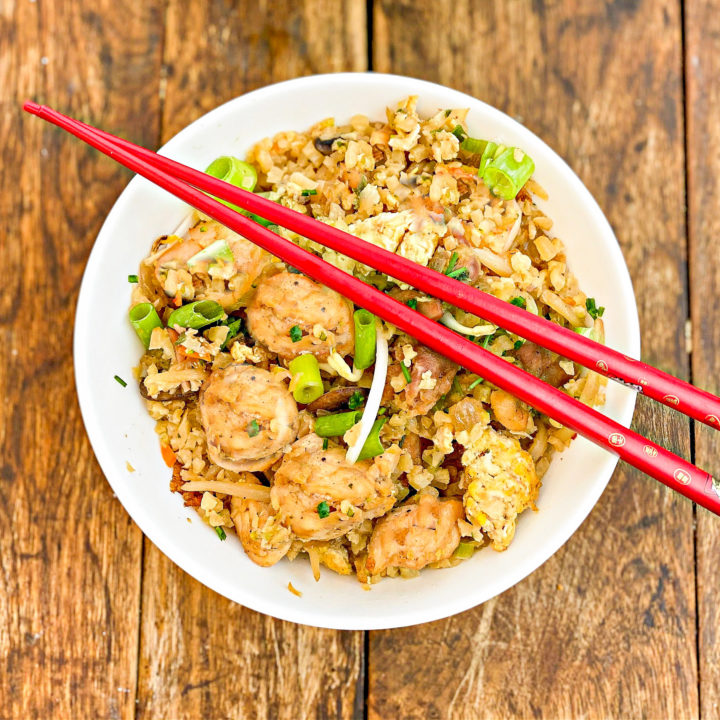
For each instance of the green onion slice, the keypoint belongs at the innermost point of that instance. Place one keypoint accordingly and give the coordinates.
(335, 425)
(144, 319)
(219, 250)
(196, 315)
(296, 333)
(221, 533)
(508, 172)
(473, 145)
(488, 154)
(120, 380)
(365, 339)
(234, 171)
(307, 383)
(373, 446)
(464, 550)
(132, 278)
(323, 509)
(405, 371)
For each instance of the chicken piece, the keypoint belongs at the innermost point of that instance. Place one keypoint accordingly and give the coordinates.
(542, 363)
(509, 411)
(415, 535)
(290, 300)
(228, 283)
(501, 483)
(320, 496)
(248, 415)
(431, 377)
(264, 539)
(430, 307)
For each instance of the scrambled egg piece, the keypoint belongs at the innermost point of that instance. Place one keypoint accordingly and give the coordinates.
(502, 483)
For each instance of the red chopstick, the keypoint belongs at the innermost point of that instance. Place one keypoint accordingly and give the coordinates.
(666, 389)
(647, 456)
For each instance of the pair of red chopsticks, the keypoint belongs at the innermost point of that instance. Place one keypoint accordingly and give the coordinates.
(187, 184)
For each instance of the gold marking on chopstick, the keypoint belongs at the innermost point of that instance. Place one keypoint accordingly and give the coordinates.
(616, 439)
(628, 358)
(682, 477)
(601, 365)
(643, 381)
(712, 419)
(650, 450)
(671, 399)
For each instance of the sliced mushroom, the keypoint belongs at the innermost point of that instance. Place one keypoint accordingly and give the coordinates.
(165, 396)
(325, 145)
(335, 398)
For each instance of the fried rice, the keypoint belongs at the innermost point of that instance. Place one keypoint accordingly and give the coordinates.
(459, 460)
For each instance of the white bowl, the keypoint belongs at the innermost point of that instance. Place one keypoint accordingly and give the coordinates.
(121, 431)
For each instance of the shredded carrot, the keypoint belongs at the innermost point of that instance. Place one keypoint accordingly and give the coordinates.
(173, 335)
(167, 455)
(294, 590)
(177, 300)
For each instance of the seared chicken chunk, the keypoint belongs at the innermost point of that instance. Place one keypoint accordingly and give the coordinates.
(415, 535)
(287, 307)
(264, 539)
(248, 415)
(319, 495)
(228, 282)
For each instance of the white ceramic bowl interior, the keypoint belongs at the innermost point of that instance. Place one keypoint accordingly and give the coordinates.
(121, 431)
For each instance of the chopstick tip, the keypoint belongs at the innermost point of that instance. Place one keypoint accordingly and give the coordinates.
(32, 107)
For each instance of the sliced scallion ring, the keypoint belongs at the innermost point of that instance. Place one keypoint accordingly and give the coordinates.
(506, 174)
(219, 250)
(196, 315)
(144, 318)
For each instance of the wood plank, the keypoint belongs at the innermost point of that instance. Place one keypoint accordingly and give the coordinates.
(606, 628)
(201, 655)
(69, 554)
(702, 63)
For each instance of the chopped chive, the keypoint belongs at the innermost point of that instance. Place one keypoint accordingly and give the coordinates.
(356, 400)
(220, 533)
(362, 184)
(382, 411)
(405, 371)
(518, 344)
(486, 340)
(459, 274)
(203, 228)
(306, 193)
(293, 270)
(295, 333)
(132, 278)
(234, 329)
(593, 310)
(447, 113)
(474, 383)
(459, 133)
(451, 264)
(121, 381)
(253, 428)
(181, 339)
(519, 302)
(412, 303)
(326, 442)
(323, 509)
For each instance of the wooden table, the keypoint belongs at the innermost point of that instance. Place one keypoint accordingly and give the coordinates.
(96, 623)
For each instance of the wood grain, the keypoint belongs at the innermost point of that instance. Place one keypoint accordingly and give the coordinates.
(69, 555)
(702, 62)
(606, 628)
(201, 655)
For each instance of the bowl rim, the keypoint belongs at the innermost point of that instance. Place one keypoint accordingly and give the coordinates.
(165, 541)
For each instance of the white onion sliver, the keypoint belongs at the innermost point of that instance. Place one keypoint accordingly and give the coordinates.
(514, 230)
(374, 397)
(477, 330)
(185, 224)
(338, 364)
